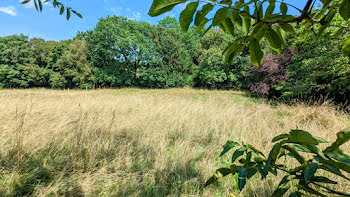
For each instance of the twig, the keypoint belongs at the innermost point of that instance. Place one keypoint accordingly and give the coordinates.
(331, 191)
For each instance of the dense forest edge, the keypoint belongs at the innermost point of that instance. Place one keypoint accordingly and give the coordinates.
(120, 52)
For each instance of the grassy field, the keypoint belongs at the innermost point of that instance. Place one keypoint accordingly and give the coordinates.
(133, 142)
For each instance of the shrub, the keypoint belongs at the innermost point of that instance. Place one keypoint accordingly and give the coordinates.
(263, 79)
(318, 70)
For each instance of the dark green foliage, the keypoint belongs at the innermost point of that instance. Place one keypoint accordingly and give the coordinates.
(117, 48)
(318, 69)
(74, 67)
(16, 62)
(288, 146)
(212, 71)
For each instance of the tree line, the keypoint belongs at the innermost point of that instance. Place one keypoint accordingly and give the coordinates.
(120, 52)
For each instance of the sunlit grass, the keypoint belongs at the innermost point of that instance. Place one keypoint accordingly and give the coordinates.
(139, 142)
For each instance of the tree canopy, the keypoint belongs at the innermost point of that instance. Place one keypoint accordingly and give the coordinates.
(269, 19)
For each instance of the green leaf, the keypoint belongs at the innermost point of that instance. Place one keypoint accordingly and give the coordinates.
(294, 152)
(228, 146)
(274, 40)
(36, 5)
(200, 15)
(280, 191)
(301, 167)
(241, 177)
(269, 10)
(259, 11)
(334, 170)
(273, 154)
(310, 171)
(68, 13)
(342, 137)
(326, 21)
(78, 14)
(222, 172)
(26, 1)
(301, 148)
(161, 6)
(295, 194)
(255, 150)
(344, 9)
(280, 33)
(229, 26)
(238, 153)
(346, 48)
(310, 190)
(247, 20)
(259, 160)
(338, 165)
(220, 15)
(287, 27)
(62, 10)
(280, 137)
(339, 156)
(233, 49)
(40, 5)
(256, 54)
(210, 181)
(251, 172)
(321, 179)
(186, 16)
(284, 180)
(284, 8)
(236, 18)
(302, 137)
(262, 172)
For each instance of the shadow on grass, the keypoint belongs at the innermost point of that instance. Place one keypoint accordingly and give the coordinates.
(183, 179)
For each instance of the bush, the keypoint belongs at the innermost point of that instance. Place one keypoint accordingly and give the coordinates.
(263, 80)
(318, 70)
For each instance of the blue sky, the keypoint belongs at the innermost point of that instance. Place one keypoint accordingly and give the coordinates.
(16, 18)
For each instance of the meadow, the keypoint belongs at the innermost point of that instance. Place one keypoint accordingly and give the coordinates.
(140, 142)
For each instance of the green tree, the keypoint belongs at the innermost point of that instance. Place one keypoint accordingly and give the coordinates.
(173, 65)
(213, 72)
(118, 47)
(74, 69)
(15, 56)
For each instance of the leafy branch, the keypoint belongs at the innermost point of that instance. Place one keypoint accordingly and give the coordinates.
(247, 161)
(267, 23)
(56, 4)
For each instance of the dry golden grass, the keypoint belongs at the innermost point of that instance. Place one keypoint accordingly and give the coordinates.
(133, 142)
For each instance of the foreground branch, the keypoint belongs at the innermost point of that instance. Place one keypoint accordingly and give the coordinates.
(331, 191)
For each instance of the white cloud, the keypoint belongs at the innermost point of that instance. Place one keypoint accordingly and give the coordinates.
(126, 12)
(10, 10)
(116, 10)
(136, 15)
